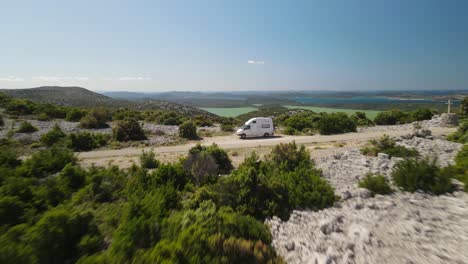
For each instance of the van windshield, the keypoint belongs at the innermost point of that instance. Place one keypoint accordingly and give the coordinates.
(245, 127)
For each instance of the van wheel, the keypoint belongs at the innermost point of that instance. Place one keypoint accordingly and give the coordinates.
(243, 136)
(266, 135)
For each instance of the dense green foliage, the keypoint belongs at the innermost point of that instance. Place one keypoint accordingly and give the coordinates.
(96, 118)
(128, 129)
(308, 121)
(377, 184)
(26, 127)
(163, 117)
(85, 141)
(361, 119)
(394, 117)
(188, 130)
(336, 123)
(53, 136)
(53, 211)
(387, 145)
(464, 107)
(421, 174)
(459, 170)
(461, 135)
(148, 160)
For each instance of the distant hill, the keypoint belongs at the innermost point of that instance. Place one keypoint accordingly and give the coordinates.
(66, 96)
(81, 97)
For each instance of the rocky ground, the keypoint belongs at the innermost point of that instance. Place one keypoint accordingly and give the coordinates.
(397, 228)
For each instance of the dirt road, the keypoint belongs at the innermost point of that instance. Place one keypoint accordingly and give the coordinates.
(233, 142)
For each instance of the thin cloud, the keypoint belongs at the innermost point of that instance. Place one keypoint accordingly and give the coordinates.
(129, 78)
(11, 79)
(255, 62)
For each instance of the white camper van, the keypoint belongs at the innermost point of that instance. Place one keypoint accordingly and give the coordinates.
(257, 127)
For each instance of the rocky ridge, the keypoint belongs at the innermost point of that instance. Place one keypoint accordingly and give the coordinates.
(397, 228)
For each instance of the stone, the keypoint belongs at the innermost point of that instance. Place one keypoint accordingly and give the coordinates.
(346, 195)
(330, 225)
(383, 156)
(290, 246)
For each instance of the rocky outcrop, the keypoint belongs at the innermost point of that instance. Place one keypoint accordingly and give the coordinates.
(397, 228)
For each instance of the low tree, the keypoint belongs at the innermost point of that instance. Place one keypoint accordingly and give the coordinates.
(336, 123)
(53, 136)
(128, 129)
(96, 118)
(377, 184)
(148, 160)
(26, 127)
(188, 130)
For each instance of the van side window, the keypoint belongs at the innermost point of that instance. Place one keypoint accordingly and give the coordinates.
(246, 127)
(265, 125)
(255, 121)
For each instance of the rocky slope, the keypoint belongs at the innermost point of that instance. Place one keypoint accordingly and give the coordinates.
(398, 228)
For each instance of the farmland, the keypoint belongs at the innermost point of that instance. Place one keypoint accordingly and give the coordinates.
(369, 113)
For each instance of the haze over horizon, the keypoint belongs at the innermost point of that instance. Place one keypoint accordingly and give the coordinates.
(235, 46)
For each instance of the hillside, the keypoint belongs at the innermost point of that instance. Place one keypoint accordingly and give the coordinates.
(81, 97)
(66, 96)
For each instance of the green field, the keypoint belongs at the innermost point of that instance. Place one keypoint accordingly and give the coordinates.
(369, 113)
(229, 111)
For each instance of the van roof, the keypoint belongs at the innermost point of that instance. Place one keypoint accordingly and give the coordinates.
(257, 118)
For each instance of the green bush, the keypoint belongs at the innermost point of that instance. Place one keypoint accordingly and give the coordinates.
(20, 107)
(202, 167)
(377, 184)
(392, 117)
(464, 107)
(336, 123)
(421, 174)
(96, 118)
(163, 117)
(461, 135)
(188, 130)
(290, 131)
(56, 237)
(26, 127)
(388, 146)
(219, 155)
(46, 162)
(85, 141)
(148, 160)
(75, 114)
(53, 136)
(227, 127)
(202, 121)
(361, 119)
(128, 129)
(459, 170)
(422, 114)
(125, 113)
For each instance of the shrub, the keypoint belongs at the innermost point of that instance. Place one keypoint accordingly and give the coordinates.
(20, 107)
(75, 114)
(301, 120)
(53, 136)
(46, 162)
(86, 141)
(422, 114)
(336, 123)
(290, 131)
(2, 122)
(421, 174)
(219, 155)
(202, 167)
(124, 113)
(163, 117)
(388, 146)
(377, 184)
(392, 117)
(26, 127)
(128, 129)
(171, 173)
(188, 130)
(361, 119)
(464, 107)
(96, 118)
(148, 160)
(461, 135)
(459, 170)
(227, 127)
(202, 121)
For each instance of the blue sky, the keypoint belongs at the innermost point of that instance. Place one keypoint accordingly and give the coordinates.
(235, 45)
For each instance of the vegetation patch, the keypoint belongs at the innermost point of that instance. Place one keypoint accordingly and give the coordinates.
(377, 184)
(26, 127)
(188, 130)
(387, 145)
(421, 174)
